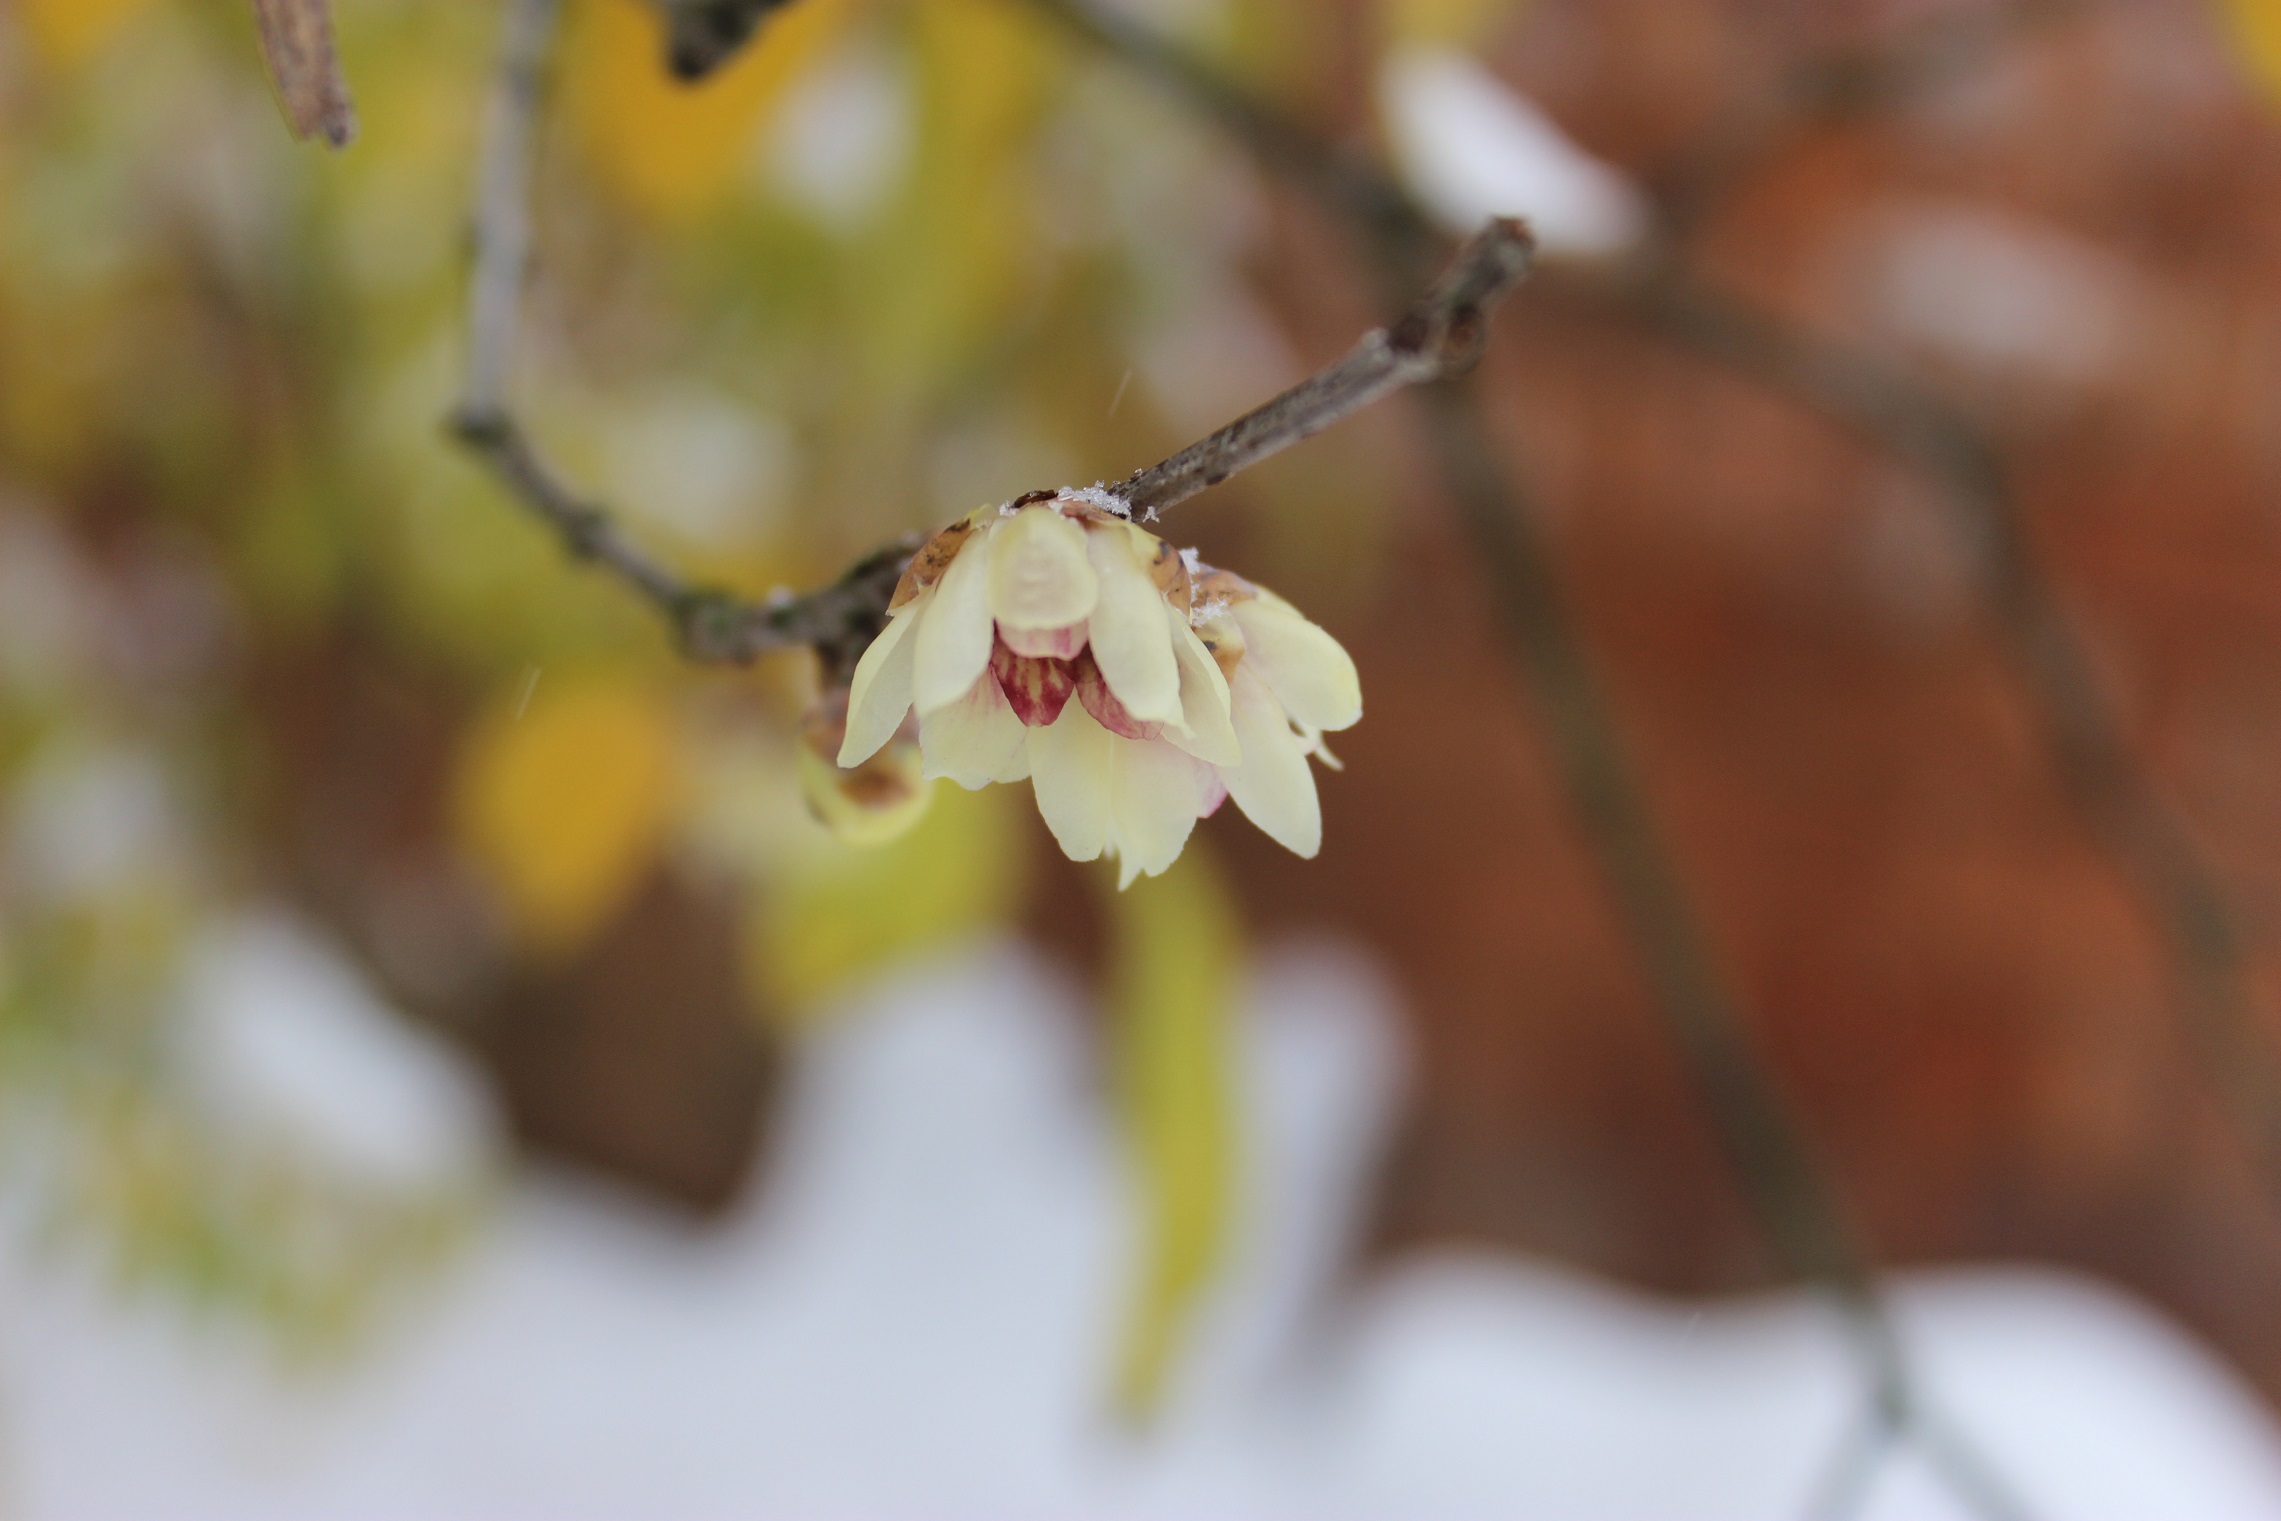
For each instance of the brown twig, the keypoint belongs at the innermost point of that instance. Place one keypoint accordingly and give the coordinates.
(711, 624)
(2148, 840)
(1441, 336)
(702, 35)
(297, 44)
(1837, 87)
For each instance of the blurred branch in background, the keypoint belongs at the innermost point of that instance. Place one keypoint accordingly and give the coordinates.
(2122, 807)
(2151, 844)
(1789, 1191)
(712, 625)
(2120, 803)
(297, 44)
(1838, 86)
(701, 35)
(1439, 338)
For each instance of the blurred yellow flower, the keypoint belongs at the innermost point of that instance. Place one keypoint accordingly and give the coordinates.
(1453, 23)
(67, 33)
(562, 795)
(1191, 685)
(670, 147)
(2257, 38)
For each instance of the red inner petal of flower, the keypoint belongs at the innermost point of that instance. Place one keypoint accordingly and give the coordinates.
(1093, 691)
(1036, 689)
(1044, 643)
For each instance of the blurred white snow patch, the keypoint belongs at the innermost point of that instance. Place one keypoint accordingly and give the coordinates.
(2098, 1407)
(288, 1046)
(93, 818)
(1999, 292)
(841, 139)
(1472, 148)
(49, 605)
(914, 1315)
(1474, 1386)
(701, 463)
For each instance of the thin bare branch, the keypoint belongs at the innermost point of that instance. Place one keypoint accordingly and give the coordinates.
(2146, 838)
(501, 225)
(1844, 86)
(702, 35)
(711, 625)
(1441, 336)
(297, 44)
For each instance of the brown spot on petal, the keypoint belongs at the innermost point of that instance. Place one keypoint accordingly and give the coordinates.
(1224, 639)
(825, 725)
(1224, 586)
(1036, 689)
(886, 780)
(932, 560)
(883, 781)
(1169, 570)
(1085, 512)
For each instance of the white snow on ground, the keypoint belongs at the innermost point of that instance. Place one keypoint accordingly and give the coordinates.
(286, 1045)
(1471, 148)
(911, 1317)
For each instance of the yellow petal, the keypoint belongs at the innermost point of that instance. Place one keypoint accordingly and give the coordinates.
(976, 740)
(1204, 730)
(1155, 791)
(1130, 641)
(1309, 672)
(1039, 574)
(881, 693)
(954, 643)
(1070, 772)
(1273, 786)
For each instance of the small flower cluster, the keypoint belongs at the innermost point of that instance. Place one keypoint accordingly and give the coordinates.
(1190, 685)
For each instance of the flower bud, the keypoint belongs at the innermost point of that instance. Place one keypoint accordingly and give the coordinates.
(871, 802)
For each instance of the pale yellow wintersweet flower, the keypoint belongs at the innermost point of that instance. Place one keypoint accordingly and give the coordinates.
(1191, 686)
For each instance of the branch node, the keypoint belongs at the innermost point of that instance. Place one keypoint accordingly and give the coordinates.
(713, 626)
(480, 427)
